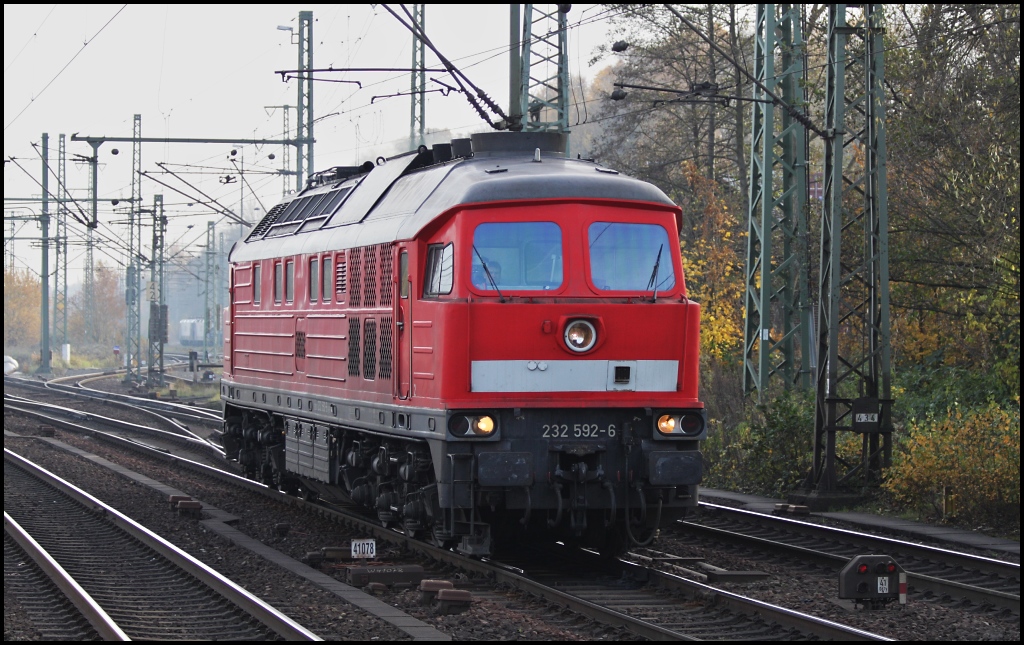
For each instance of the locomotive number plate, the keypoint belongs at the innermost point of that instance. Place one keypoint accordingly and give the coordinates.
(577, 430)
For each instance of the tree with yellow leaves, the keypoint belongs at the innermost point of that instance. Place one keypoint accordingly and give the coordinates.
(713, 264)
(22, 313)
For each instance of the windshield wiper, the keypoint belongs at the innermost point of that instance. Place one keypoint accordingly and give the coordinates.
(487, 272)
(653, 282)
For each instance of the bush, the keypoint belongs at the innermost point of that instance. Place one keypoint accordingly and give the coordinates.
(974, 451)
(770, 454)
(929, 390)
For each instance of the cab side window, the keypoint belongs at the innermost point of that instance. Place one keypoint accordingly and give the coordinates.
(440, 270)
(257, 286)
(278, 282)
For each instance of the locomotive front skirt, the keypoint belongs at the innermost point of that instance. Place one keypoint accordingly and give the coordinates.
(481, 343)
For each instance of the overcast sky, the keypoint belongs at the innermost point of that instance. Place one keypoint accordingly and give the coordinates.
(208, 71)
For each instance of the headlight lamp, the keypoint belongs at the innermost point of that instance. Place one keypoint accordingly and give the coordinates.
(686, 424)
(484, 425)
(580, 335)
(666, 424)
(472, 425)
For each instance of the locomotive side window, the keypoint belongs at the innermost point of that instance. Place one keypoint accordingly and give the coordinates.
(630, 257)
(289, 282)
(517, 256)
(257, 285)
(328, 275)
(314, 279)
(440, 270)
(403, 274)
(278, 282)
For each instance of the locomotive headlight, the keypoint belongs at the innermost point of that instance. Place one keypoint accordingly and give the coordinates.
(580, 335)
(472, 425)
(484, 425)
(666, 424)
(687, 424)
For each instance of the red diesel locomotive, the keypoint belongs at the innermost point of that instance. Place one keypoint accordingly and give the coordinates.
(481, 342)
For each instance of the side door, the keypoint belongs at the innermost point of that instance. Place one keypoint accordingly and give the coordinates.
(403, 326)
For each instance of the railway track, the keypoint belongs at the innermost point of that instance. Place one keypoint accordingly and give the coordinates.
(641, 597)
(140, 585)
(705, 612)
(661, 606)
(54, 616)
(931, 571)
(77, 390)
(173, 435)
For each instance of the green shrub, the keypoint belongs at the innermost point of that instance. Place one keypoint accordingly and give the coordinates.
(976, 452)
(770, 454)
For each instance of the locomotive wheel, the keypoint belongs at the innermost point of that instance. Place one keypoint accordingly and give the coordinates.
(267, 476)
(440, 542)
(615, 543)
(411, 531)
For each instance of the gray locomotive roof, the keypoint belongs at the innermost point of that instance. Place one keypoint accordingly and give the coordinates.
(414, 200)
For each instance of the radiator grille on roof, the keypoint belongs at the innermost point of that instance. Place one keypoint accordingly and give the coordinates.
(268, 220)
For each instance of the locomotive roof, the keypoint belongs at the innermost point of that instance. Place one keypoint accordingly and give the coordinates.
(388, 203)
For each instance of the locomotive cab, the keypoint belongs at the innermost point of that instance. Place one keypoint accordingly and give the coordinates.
(475, 348)
(578, 412)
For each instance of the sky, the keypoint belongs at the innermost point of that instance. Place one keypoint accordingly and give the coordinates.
(209, 71)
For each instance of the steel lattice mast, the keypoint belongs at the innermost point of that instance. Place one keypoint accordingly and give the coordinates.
(44, 223)
(209, 289)
(418, 85)
(133, 280)
(545, 70)
(304, 127)
(155, 292)
(853, 373)
(777, 329)
(60, 291)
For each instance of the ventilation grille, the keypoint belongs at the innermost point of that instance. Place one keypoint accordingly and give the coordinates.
(370, 350)
(384, 367)
(268, 220)
(354, 327)
(387, 283)
(356, 278)
(370, 276)
(341, 275)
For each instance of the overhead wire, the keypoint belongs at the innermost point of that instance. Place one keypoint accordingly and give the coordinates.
(35, 32)
(62, 69)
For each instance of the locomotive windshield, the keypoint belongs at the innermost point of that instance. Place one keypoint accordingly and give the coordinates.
(630, 257)
(519, 256)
